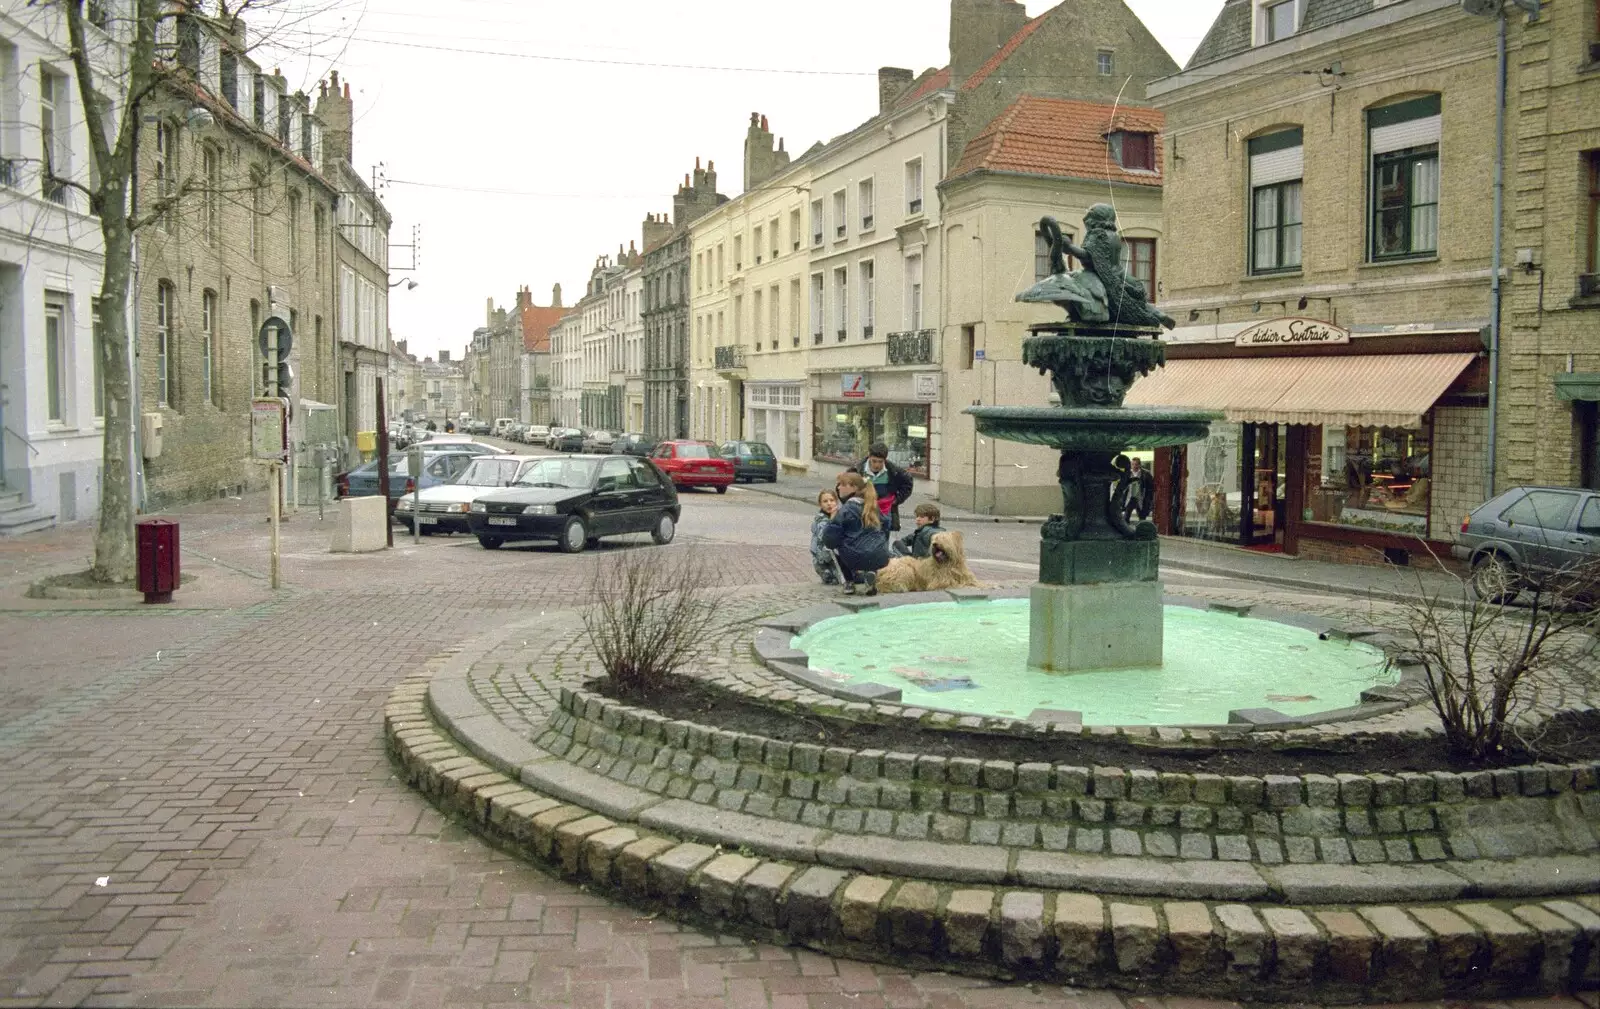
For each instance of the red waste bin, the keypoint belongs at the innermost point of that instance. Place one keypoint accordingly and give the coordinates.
(157, 541)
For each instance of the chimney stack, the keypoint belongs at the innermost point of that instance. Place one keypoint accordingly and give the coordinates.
(978, 28)
(892, 83)
(761, 160)
(555, 296)
(334, 108)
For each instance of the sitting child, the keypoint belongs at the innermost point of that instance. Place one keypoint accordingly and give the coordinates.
(919, 542)
(822, 558)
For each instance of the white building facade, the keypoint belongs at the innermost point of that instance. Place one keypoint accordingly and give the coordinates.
(51, 259)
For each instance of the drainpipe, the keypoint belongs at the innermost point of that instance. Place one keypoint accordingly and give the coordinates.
(1494, 283)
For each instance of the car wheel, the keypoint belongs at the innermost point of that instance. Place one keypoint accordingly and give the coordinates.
(574, 535)
(1494, 579)
(490, 542)
(666, 526)
(722, 488)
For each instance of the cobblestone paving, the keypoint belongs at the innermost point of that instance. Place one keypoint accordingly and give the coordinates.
(196, 809)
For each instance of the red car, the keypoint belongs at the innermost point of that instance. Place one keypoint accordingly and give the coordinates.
(694, 464)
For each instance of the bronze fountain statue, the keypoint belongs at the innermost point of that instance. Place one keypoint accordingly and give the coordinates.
(1098, 603)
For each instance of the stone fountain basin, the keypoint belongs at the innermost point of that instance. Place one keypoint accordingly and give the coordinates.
(1091, 428)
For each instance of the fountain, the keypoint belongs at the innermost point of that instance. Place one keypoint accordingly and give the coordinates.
(1098, 603)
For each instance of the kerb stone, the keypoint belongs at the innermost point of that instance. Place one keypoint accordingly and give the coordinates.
(1296, 939)
(1350, 946)
(1022, 927)
(633, 863)
(1403, 954)
(1079, 925)
(1560, 938)
(543, 829)
(966, 921)
(913, 917)
(719, 883)
(1135, 937)
(1193, 938)
(1586, 974)
(1513, 947)
(670, 871)
(806, 908)
(759, 892)
(1455, 940)
(600, 852)
(858, 907)
(570, 837)
(1245, 941)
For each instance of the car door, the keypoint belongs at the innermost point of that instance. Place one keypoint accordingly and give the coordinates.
(1539, 524)
(649, 496)
(663, 458)
(1582, 544)
(613, 498)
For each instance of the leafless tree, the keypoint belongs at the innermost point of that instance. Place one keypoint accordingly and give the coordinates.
(1493, 663)
(651, 615)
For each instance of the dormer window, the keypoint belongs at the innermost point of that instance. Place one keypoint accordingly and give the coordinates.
(1133, 150)
(1276, 20)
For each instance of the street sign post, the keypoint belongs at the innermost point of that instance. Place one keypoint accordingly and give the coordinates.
(269, 443)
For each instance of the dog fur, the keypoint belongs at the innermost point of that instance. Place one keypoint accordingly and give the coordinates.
(946, 568)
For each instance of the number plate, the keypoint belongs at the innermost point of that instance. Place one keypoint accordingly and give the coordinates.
(427, 520)
(502, 522)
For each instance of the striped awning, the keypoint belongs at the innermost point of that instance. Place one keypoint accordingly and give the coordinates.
(1360, 390)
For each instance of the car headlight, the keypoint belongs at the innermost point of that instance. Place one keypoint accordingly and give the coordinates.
(542, 509)
(479, 507)
(463, 507)
(403, 505)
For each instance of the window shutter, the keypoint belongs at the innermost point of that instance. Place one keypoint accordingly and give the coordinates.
(1284, 165)
(1399, 136)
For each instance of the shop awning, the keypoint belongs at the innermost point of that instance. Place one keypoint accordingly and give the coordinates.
(1578, 386)
(1360, 390)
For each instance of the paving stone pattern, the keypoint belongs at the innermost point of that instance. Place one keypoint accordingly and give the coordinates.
(257, 846)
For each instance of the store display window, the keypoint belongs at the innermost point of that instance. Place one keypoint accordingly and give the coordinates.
(844, 432)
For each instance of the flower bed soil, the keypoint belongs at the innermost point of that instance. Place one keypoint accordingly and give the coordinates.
(1569, 737)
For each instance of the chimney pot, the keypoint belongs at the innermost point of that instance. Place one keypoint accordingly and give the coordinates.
(763, 122)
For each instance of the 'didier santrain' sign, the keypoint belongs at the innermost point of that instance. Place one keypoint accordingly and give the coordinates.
(1276, 332)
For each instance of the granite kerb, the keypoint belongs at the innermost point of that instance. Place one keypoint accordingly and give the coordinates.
(1018, 928)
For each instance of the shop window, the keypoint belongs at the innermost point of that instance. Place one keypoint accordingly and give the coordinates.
(1370, 478)
(844, 432)
(1404, 143)
(1276, 165)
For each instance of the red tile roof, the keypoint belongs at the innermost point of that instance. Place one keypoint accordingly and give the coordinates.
(1056, 136)
(1004, 52)
(537, 322)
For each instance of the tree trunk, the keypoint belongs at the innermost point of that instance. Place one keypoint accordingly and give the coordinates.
(113, 540)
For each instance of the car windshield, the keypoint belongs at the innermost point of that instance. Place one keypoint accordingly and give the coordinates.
(577, 474)
(489, 473)
(694, 451)
(756, 448)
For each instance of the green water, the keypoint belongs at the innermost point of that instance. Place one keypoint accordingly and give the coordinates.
(1213, 663)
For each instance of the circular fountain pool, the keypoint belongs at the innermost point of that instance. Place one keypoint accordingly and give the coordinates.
(972, 657)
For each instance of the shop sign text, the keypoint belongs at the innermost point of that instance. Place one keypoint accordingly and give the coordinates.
(853, 385)
(925, 386)
(1291, 331)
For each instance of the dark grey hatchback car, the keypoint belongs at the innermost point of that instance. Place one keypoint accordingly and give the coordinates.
(752, 460)
(575, 500)
(1527, 533)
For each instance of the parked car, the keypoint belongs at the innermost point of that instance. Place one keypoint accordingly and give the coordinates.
(1528, 533)
(577, 500)
(536, 434)
(599, 442)
(554, 436)
(570, 440)
(752, 460)
(694, 464)
(437, 467)
(633, 444)
(502, 426)
(459, 442)
(443, 508)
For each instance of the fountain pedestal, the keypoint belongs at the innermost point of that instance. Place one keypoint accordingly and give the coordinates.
(1098, 601)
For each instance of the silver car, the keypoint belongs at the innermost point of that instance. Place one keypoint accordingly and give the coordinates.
(1527, 534)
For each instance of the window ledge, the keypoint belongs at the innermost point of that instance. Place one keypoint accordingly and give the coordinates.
(1593, 301)
(1374, 264)
(1274, 275)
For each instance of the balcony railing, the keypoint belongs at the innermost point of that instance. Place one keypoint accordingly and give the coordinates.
(730, 358)
(911, 347)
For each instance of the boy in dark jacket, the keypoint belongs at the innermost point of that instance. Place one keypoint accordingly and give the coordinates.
(919, 542)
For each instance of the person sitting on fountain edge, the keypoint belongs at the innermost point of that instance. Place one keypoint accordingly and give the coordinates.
(919, 542)
(854, 533)
(823, 559)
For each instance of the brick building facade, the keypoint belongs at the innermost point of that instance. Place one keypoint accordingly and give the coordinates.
(253, 235)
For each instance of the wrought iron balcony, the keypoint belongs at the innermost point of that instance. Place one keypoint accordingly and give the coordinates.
(730, 358)
(911, 347)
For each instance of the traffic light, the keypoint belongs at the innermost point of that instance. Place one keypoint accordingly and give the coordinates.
(275, 339)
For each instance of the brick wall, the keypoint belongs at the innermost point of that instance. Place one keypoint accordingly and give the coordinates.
(1460, 440)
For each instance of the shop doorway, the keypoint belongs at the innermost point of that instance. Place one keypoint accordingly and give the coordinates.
(1588, 444)
(1263, 479)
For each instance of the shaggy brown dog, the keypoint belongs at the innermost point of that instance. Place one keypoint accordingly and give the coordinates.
(945, 569)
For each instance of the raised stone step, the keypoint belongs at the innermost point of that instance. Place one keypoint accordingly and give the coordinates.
(18, 516)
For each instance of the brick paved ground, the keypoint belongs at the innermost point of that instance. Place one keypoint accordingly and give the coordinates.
(195, 806)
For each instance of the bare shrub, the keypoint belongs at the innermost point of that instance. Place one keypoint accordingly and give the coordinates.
(651, 616)
(1491, 664)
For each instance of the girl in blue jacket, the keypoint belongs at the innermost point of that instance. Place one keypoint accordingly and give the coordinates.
(855, 533)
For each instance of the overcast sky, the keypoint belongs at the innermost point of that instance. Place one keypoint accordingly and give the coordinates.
(521, 169)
